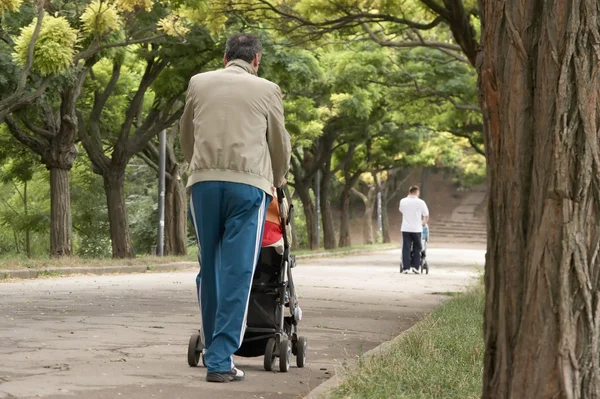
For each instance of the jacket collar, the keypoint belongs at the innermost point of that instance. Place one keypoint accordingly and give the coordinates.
(242, 65)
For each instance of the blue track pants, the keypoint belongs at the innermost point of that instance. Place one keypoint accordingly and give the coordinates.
(228, 219)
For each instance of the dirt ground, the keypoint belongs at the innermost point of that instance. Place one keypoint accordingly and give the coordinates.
(126, 335)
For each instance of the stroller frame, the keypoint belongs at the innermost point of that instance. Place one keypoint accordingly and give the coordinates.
(282, 338)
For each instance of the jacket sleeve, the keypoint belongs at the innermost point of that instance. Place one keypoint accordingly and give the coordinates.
(186, 127)
(278, 139)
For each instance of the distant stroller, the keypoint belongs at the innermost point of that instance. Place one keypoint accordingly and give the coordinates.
(273, 310)
(424, 240)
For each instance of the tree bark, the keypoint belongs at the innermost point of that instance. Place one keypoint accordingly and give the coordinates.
(369, 201)
(539, 79)
(345, 239)
(114, 186)
(309, 214)
(175, 215)
(329, 241)
(27, 229)
(385, 223)
(350, 180)
(61, 242)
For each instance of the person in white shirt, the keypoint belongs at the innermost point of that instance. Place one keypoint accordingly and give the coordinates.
(415, 215)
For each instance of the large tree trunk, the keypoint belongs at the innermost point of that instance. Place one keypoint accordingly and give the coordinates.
(114, 186)
(540, 86)
(61, 242)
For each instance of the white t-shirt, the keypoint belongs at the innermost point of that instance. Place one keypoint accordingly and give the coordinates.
(413, 209)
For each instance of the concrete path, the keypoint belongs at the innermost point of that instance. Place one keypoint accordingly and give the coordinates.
(126, 335)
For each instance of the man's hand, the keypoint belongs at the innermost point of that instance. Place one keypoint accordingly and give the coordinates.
(283, 182)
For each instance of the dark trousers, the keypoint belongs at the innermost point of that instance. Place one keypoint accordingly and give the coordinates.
(411, 243)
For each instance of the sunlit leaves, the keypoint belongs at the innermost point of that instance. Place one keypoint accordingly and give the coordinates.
(173, 25)
(9, 5)
(100, 18)
(54, 48)
(134, 5)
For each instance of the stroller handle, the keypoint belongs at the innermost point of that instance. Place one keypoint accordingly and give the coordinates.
(280, 194)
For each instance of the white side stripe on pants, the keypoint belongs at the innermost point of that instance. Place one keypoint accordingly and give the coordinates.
(259, 229)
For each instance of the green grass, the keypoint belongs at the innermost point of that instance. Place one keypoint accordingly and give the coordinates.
(16, 263)
(347, 250)
(21, 262)
(440, 358)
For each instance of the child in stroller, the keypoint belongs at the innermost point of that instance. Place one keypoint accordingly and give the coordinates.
(424, 240)
(273, 311)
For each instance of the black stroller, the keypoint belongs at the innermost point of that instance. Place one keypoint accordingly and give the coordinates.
(273, 311)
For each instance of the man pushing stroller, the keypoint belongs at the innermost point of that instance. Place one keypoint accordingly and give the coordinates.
(233, 137)
(415, 216)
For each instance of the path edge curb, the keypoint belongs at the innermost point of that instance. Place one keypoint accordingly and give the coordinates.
(332, 383)
(167, 267)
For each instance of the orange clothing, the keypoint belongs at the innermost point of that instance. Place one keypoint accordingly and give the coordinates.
(272, 231)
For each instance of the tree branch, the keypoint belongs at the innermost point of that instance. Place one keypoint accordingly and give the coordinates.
(37, 130)
(472, 142)
(413, 44)
(95, 49)
(36, 144)
(31, 48)
(150, 74)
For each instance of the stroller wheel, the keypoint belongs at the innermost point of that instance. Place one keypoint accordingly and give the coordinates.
(270, 354)
(285, 355)
(301, 347)
(195, 349)
(425, 268)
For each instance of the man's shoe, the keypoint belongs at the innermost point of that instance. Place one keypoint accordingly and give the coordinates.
(414, 270)
(405, 271)
(234, 375)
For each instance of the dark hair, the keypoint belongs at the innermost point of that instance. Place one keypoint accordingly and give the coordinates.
(242, 47)
(413, 189)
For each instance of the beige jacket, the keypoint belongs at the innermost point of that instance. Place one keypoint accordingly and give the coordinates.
(233, 130)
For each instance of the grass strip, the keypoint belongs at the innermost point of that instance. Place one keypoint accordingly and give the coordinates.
(441, 357)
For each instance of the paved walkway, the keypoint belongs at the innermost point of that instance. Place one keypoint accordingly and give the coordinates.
(126, 335)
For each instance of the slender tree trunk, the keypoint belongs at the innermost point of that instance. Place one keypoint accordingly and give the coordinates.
(114, 186)
(169, 217)
(175, 217)
(27, 230)
(385, 223)
(368, 219)
(329, 241)
(61, 242)
(345, 239)
(309, 214)
(369, 201)
(540, 96)
(181, 216)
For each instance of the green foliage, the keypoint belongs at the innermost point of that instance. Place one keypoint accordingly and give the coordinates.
(54, 48)
(100, 18)
(9, 6)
